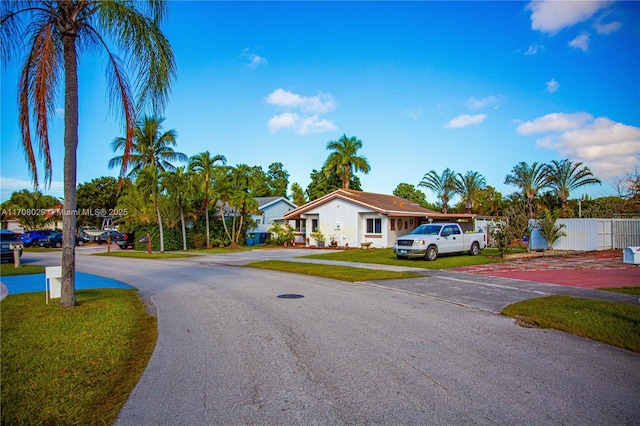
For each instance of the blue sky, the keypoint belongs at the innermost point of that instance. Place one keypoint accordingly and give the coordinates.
(425, 85)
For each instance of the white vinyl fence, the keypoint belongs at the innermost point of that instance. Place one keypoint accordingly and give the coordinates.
(592, 235)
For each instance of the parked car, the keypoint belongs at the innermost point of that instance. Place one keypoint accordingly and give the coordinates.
(31, 238)
(114, 235)
(430, 240)
(55, 240)
(7, 238)
(128, 241)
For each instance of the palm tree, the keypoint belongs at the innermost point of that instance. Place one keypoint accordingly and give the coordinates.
(148, 183)
(179, 185)
(344, 159)
(530, 179)
(468, 186)
(204, 164)
(56, 32)
(444, 185)
(565, 176)
(151, 148)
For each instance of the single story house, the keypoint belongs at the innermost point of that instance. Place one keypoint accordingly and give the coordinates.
(350, 218)
(271, 210)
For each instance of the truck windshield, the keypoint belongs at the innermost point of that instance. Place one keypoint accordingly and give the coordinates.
(427, 229)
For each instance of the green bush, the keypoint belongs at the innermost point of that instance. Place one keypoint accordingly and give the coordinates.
(172, 238)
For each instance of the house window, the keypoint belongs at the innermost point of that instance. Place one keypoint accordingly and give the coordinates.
(374, 226)
(301, 225)
(392, 224)
(314, 224)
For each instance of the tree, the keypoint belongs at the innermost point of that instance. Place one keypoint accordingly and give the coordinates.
(278, 180)
(179, 185)
(530, 180)
(549, 229)
(489, 201)
(297, 194)
(322, 184)
(148, 183)
(99, 194)
(344, 159)
(151, 148)
(204, 165)
(443, 185)
(565, 176)
(27, 207)
(56, 32)
(409, 192)
(468, 186)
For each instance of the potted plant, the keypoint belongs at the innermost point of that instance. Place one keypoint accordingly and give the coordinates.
(319, 237)
(334, 243)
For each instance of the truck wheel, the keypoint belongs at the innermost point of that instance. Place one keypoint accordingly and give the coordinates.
(475, 249)
(80, 243)
(432, 253)
(58, 244)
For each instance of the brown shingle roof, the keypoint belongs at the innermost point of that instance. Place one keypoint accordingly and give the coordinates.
(381, 203)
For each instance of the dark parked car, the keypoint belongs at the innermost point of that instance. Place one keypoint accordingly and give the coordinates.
(6, 239)
(128, 241)
(30, 238)
(115, 237)
(55, 240)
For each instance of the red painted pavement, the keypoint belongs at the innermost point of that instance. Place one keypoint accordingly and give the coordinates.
(587, 270)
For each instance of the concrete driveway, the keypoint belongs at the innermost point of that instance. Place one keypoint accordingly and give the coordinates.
(230, 351)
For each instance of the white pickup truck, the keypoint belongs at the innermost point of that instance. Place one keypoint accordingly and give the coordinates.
(430, 240)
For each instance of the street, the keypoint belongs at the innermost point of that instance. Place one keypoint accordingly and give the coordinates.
(230, 351)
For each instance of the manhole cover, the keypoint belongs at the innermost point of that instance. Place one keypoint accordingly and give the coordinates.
(290, 296)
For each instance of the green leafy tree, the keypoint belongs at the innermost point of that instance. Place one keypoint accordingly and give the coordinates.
(180, 186)
(411, 193)
(530, 180)
(204, 165)
(148, 183)
(297, 194)
(565, 176)
(56, 33)
(278, 180)
(140, 210)
(152, 147)
(321, 184)
(489, 202)
(443, 185)
(99, 193)
(344, 159)
(468, 187)
(23, 204)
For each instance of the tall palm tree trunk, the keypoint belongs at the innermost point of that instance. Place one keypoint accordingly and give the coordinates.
(184, 229)
(160, 228)
(68, 290)
(207, 222)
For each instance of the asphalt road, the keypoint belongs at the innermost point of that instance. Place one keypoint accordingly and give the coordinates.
(230, 351)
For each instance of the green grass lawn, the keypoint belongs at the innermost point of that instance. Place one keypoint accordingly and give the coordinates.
(72, 366)
(386, 257)
(617, 324)
(8, 269)
(343, 273)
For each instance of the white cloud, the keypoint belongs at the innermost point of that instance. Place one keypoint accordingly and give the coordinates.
(466, 120)
(302, 114)
(321, 103)
(581, 41)
(552, 86)
(302, 125)
(607, 28)
(10, 185)
(254, 59)
(552, 16)
(607, 147)
(554, 122)
(474, 103)
(533, 49)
